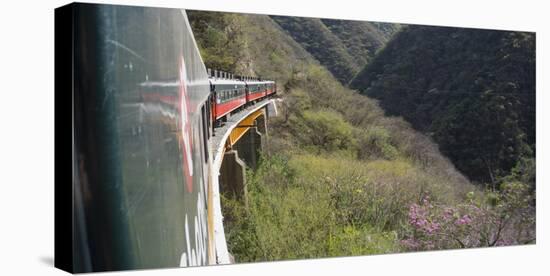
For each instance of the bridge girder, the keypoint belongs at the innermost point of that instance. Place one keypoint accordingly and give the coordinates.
(245, 125)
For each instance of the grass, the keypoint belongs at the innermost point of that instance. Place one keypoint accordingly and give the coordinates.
(294, 213)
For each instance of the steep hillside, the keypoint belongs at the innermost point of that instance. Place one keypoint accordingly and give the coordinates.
(337, 176)
(318, 40)
(472, 90)
(343, 47)
(306, 85)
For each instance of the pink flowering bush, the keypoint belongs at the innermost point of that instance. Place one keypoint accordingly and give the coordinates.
(505, 218)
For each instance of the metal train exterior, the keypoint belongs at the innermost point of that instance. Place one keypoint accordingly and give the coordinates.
(143, 108)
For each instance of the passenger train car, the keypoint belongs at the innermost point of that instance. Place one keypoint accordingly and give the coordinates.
(143, 107)
(228, 94)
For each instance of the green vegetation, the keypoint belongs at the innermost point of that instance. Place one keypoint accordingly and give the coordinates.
(338, 177)
(298, 209)
(343, 47)
(472, 90)
(220, 38)
(362, 39)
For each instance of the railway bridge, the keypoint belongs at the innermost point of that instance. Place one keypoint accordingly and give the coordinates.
(235, 145)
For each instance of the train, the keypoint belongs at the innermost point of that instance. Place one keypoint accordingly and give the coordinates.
(231, 93)
(144, 108)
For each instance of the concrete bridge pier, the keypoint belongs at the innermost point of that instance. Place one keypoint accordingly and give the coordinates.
(261, 124)
(232, 177)
(245, 153)
(250, 146)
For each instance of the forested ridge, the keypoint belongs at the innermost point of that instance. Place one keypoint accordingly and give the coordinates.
(471, 90)
(338, 175)
(343, 47)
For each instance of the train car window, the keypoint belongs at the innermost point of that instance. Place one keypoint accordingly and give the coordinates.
(208, 114)
(204, 133)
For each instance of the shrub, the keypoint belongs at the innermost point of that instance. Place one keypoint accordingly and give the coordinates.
(374, 143)
(328, 130)
(508, 219)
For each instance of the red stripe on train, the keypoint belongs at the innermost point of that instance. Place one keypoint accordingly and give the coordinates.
(224, 108)
(253, 96)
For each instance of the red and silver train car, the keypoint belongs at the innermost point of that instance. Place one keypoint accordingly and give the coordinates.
(271, 88)
(255, 90)
(227, 95)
